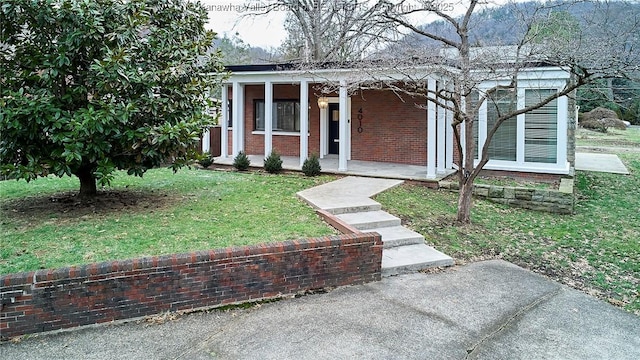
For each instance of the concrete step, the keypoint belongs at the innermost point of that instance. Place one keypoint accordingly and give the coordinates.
(412, 258)
(355, 207)
(370, 219)
(398, 236)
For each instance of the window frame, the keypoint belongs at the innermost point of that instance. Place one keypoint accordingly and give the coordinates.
(275, 130)
(561, 165)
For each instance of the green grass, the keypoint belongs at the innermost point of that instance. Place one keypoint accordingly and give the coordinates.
(164, 213)
(629, 138)
(597, 249)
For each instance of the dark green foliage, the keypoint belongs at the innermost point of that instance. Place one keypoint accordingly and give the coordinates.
(89, 87)
(311, 166)
(273, 163)
(205, 160)
(241, 161)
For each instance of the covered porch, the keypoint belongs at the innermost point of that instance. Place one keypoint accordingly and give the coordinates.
(330, 165)
(353, 131)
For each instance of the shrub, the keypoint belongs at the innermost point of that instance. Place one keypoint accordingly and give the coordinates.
(311, 166)
(205, 160)
(241, 161)
(273, 163)
(593, 125)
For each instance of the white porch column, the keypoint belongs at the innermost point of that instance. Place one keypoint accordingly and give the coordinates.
(224, 133)
(431, 129)
(238, 116)
(342, 157)
(268, 118)
(324, 124)
(304, 121)
(442, 133)
(449, 145)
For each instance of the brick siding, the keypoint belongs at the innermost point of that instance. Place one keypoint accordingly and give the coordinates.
(393, 129)
(48, 300)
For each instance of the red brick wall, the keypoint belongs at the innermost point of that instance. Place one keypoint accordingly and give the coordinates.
(63, 298)
(392, 130)
(286, 145)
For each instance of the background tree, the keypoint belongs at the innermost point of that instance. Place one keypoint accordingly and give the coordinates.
(603, 47)
(329, 30)
(89, 87)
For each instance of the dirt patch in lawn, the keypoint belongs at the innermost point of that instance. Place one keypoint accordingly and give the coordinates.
(69, 205)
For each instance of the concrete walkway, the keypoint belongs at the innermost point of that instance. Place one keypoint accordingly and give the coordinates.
(349, 199)
(609, 163)
(485, 310)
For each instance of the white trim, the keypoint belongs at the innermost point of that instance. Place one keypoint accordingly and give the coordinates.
(431, 130)
(324, 126)
(224, 133)
(304, 121)
(343, 128)
(238, 117)
(449, 138)
(268, 118)
(441, 138)
(482, 127)
(520, 127)
(324, 136)
(276, 133)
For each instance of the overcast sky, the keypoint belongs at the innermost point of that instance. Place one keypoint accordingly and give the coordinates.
(225, 17)
(267, 31)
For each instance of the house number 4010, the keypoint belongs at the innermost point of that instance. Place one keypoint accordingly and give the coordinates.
(360, 129)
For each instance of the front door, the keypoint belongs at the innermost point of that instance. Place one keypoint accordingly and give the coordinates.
(334, 128)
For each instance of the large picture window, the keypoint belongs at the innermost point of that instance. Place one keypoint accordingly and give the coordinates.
(285, 115)
(504, 143)
(541, 128)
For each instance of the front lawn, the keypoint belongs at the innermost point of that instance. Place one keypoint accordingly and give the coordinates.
(628, 139)
(596, 250)
(43, 226)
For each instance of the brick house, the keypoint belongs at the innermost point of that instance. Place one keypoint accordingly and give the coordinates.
(381, 126)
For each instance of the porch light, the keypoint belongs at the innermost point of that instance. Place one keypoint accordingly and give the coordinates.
(323, 102)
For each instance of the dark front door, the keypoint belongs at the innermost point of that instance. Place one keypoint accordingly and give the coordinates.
(334, 128)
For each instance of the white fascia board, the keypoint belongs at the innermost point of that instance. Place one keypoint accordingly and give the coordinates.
(349, 75)
(323, 75)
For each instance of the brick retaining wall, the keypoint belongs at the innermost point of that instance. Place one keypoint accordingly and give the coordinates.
(102, 292)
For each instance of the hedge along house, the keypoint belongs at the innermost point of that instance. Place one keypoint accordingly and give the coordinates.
(378, 125)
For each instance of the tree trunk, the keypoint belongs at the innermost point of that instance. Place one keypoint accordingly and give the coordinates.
(464, 202)
(88, 187)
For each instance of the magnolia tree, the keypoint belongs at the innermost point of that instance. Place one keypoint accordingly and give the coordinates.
(595, 44)
(89, 87)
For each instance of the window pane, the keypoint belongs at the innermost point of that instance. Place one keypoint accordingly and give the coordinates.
(475, 97)
(259, 115)
(503, 144)
(285, 115)
(541, 128)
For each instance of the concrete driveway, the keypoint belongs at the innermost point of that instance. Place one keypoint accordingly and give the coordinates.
(485, 310)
